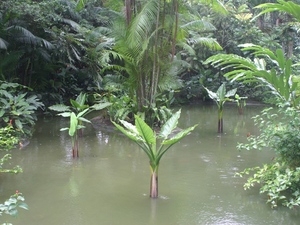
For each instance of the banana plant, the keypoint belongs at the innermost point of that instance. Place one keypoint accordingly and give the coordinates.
(147, 139)
(77, 113)
(220, 97)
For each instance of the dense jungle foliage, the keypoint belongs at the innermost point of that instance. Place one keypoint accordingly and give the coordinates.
(142, 57)
(61, 48)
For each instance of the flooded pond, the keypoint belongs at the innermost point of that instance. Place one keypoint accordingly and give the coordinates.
(109, 183)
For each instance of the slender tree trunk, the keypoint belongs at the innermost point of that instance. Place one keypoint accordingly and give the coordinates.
(241, 110)
(154, 184)
(220, 121)
(128, 10)
(155, 68)
(75, 146)
(175, 29)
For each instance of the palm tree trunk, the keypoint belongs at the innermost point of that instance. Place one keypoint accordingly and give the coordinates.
(155, 68)
(128, 10)
(154, 184)
(176, 28)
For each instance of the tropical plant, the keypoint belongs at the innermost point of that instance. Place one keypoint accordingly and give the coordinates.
(147, 140)
(289, 7)
(278, 76)
(279, 179)
(241, 103)
(279, 131)
(150, 42)
(220, 97)
(77, 112)
(8, 140)
(18, 109)
(8, 137)
(11, 205)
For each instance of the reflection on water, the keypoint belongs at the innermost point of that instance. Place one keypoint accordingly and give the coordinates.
(109, 183)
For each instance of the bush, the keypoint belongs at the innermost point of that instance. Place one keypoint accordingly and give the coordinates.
(280, 180)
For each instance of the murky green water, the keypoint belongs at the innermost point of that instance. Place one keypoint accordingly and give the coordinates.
(109, 183)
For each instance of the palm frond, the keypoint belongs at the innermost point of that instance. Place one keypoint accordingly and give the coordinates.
(199, 25)
(282, 6)
(216, 5)
(206, 41)
(188, 48)
(3, 44)
(72, 23)
(142, 25)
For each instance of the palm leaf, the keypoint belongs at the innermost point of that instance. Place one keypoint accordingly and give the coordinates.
(208, 42)
(282, 6)
(141, 26)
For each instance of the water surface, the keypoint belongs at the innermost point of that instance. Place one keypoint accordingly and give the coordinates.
(109, 183)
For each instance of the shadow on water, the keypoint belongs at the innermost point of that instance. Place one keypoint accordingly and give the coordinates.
(109, 183)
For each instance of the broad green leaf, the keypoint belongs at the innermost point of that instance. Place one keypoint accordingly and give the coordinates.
(65, 128)
(145, 131)
(132, 136)
(60, 108)
(81, 98)
(65, 114)
(179, 136)
(173, 141)
(73, 124)
(23, 205)
(170, 125)
(129, 127)
(211, 94)
(221, 92)
(83, 119)
(77, 105)
(19, 124)
(231, 93)
(13, 212)
(100, 106)
(82, 113)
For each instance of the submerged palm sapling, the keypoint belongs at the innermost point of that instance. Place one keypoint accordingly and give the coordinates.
(146, 138)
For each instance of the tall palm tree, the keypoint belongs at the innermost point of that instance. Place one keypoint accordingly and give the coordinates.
(149, 37)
